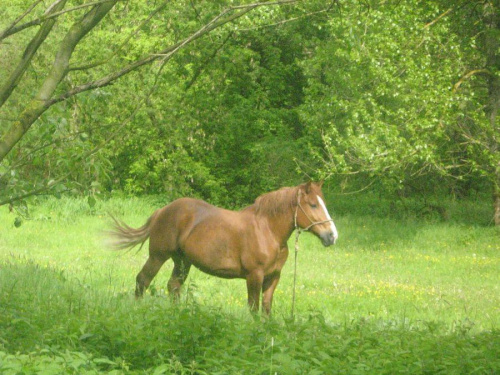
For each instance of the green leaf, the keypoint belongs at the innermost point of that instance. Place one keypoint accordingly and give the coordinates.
(18, 222)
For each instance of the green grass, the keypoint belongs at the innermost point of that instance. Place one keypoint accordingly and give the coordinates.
(395, 295)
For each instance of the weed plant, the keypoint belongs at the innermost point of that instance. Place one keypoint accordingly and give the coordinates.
(409, 294)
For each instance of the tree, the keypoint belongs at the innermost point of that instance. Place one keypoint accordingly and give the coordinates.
(492, 52)
(238, 128)
(44, 99)
(79, 67)
(481, 78)
(384, 107)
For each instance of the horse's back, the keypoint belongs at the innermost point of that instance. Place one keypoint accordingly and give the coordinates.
(206, 222)
(176, 222)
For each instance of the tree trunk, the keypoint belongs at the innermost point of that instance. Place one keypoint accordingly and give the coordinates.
(492, 46)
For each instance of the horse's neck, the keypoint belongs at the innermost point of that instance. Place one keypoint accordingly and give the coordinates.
(282, 226)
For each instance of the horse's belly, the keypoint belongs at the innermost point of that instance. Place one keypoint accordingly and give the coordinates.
(221, 260)
(225, 273)
(215, 249)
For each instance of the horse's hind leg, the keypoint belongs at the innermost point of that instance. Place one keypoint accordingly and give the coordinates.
(179, 275)
(148, 272)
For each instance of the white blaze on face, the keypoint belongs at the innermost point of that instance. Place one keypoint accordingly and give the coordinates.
(332, 225)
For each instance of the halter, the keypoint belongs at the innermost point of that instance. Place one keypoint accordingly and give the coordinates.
(313, 223)
(298, 231)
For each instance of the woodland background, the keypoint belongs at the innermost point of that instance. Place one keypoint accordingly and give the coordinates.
(225, 100)
(122, 106)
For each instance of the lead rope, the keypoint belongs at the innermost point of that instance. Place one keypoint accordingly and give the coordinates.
(297, 235)
(298, 231)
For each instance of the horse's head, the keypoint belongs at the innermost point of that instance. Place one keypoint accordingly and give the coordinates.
(311, 213)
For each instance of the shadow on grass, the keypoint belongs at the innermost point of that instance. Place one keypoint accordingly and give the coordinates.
(474, 212)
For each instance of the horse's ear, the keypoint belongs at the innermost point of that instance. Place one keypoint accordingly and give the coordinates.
(308, 187)
(320, 183)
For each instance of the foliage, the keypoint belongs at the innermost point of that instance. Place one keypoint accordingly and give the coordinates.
(84, 125)
(398, 96)
(384, 103)
(410, 295)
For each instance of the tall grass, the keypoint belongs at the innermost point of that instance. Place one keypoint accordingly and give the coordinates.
(396, 295)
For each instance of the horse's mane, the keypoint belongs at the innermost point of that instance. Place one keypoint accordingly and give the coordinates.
(276, 202)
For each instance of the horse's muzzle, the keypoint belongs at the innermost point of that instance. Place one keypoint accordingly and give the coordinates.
(327, 238)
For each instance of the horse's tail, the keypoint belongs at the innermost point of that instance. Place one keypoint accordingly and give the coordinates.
(124, 237)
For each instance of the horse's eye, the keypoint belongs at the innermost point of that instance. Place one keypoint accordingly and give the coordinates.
(313, 205)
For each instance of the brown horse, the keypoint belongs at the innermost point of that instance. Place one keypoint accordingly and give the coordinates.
(250, 244)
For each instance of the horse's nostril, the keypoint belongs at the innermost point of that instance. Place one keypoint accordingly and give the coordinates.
(327, 238)
(332, 238)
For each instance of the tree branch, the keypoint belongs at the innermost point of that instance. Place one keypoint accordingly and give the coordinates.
(7, 31)
(41, 102)
(51, 184)
(19, 197)
(426, 26)
(291, 19)
(11, 30)
(115, 52)
(466, 76)
(13, 80)
(168, 52)
(203, 65)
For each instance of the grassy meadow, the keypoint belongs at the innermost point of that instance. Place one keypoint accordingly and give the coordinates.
(402, 292)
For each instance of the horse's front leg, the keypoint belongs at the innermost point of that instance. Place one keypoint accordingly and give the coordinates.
(269, 285)
(254, 286)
